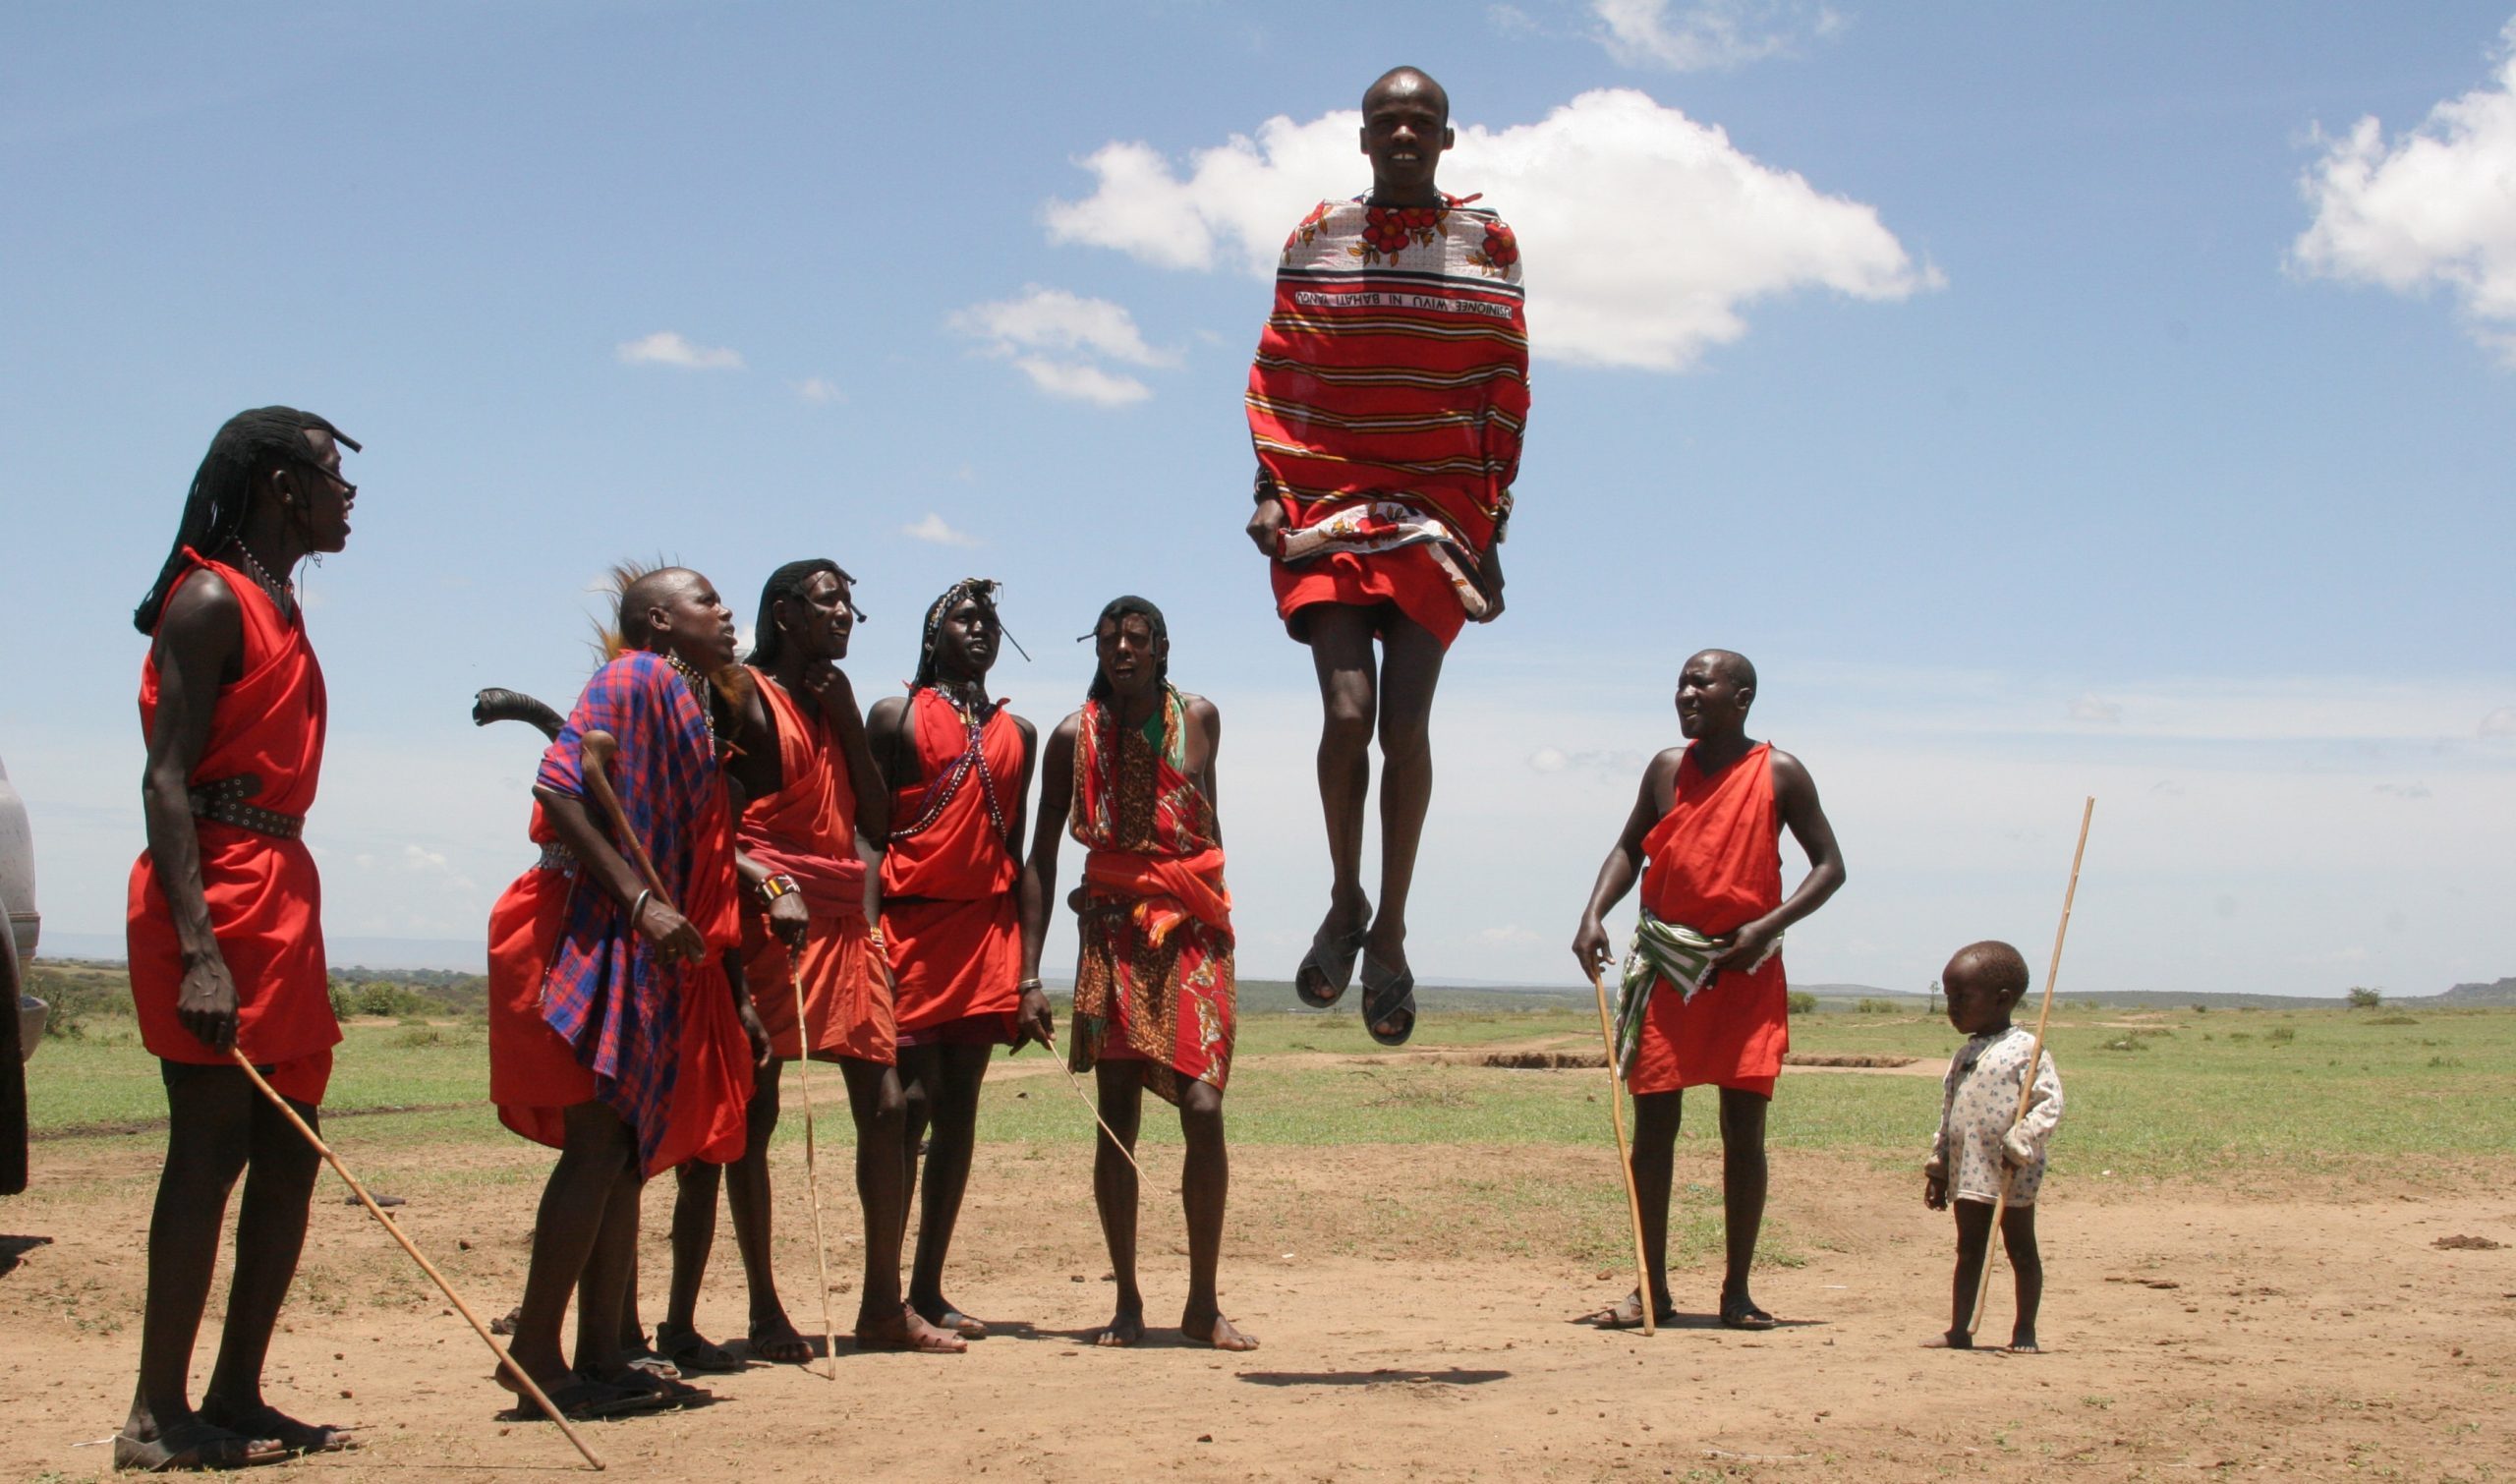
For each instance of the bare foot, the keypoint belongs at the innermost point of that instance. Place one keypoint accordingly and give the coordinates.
(905, 1331)
(1953, 1339)
(1124, 1330)
(1213, 1330)
(2022, 1342)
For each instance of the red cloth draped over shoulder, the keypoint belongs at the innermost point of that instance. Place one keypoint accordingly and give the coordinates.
(663, 1042)
(1387, 403)
(807, 830)
(1715, 865)
(1154, 979)
(533, 1075)
(265, 903)
(948, 909)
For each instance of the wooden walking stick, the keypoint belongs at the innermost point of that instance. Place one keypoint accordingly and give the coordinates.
(812, 1171)
(505, 1361)
(1624, 1158)
(2034, 1062)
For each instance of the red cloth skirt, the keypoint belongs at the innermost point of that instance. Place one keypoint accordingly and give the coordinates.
(1405, 578)
(846, 998)
(1732, 1034)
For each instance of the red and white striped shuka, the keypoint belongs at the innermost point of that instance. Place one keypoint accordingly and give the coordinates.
(1394, 371)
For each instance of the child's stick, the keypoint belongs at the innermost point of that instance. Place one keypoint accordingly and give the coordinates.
(540, 1398)
(1624, 1157)
(2034, 1061)
(812, 1171)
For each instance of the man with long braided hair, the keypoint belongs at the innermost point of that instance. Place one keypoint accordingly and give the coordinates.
(225, 943)
(958, 765)
(809, 854)
(1153, 985)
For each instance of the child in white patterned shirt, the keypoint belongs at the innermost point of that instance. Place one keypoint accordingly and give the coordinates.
(1978, 1147)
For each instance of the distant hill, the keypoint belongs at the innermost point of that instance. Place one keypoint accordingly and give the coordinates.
(2502, 992)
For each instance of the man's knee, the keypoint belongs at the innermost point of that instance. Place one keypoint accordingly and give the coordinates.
(1345, 723)
(1743, 1119)
(884, 1110)
(1201, 1112)
(1405, 737)
(1656, 1116)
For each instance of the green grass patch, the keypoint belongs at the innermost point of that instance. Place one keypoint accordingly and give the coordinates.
(2304, 1091)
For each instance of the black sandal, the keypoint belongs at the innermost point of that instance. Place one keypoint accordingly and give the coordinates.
(1386, 999)
(1332, 960)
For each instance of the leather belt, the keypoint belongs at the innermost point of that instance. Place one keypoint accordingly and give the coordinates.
(223, 800)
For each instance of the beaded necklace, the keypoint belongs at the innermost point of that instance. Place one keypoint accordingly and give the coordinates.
(699, 688)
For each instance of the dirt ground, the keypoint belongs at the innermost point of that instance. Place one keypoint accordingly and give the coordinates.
(2313, 1333)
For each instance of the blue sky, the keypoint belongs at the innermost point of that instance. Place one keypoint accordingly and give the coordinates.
(2052, 400)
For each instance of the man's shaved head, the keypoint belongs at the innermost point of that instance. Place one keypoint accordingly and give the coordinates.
(1742, 671)
(642, 595)
(1407, 79)
(1992, 966)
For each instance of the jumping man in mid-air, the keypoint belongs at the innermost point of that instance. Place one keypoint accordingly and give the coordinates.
(1386, 406)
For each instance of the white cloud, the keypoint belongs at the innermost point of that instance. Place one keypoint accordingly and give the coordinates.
(1706, 34)
(1056, 320)
(816, 389)
(935, 529)
(1646, 232)
(2434, 208)
(1077, 329)
(1082, 382)
(2097, 708)
(2499, 723)
(672, 348)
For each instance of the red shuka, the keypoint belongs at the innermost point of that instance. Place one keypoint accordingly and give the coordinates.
(1716, 866)
(949, 908)
(807, 830)
(265, 900)
(533, 1075)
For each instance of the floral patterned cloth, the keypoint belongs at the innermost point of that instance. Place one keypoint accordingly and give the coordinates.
(1154, 984)
(1978, 1100)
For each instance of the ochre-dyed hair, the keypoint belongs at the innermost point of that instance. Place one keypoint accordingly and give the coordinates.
(248, 445)
(979, 590)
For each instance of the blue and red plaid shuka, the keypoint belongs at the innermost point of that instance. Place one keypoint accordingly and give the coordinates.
(604, 992)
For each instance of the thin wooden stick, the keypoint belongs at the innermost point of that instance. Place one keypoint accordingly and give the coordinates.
(812, 1171)
(595, 752)
(505, 1361)
(1076, 1083)
(1624, 1158)
(2034, 1062)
